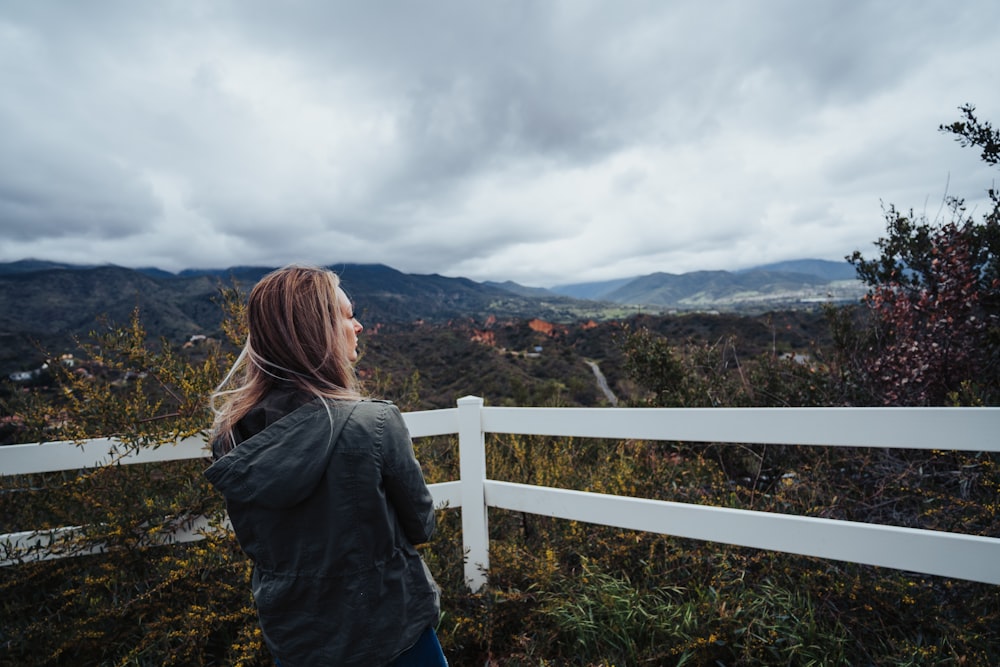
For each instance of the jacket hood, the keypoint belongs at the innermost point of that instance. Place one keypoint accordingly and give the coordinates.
(281, 465)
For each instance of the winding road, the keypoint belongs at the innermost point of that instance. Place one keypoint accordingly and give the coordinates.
(602, 382)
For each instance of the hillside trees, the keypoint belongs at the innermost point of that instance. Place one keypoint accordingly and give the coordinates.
(930, 330)
(180, 604)
(696, 373)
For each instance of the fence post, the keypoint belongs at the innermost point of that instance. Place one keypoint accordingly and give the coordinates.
(472, 469)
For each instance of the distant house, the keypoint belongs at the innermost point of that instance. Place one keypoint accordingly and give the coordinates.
(798, 358)
(66, 360)
(28, 376)
(195, 339)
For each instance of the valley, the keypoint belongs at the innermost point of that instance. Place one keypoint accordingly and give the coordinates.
(48, 309)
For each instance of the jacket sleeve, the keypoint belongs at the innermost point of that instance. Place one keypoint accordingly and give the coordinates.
(404, 482)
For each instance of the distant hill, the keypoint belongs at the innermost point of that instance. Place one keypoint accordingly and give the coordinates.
(781, 285)
(712, 288)
(820, 268)
(49, 308)
(72, 299)
(594, 290)
(33, 265)
(248, 274)
(523, 290)
(68, 298)
(51, 302)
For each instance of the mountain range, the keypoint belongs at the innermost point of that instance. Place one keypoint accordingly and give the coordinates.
(785, 282)
(48, 301)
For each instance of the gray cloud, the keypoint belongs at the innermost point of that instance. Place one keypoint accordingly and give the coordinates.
(540, 142)
(56, 191)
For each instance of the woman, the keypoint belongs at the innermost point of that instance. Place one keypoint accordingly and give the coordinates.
(322, 487)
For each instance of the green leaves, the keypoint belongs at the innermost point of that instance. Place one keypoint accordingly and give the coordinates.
(973, 132)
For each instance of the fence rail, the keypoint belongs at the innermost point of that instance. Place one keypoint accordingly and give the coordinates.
(940, 553)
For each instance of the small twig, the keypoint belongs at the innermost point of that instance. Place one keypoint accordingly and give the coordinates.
(169, 415)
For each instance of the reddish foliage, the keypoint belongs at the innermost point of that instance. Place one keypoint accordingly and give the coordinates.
(935, 337)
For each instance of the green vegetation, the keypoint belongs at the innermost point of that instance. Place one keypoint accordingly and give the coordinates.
(561, 592)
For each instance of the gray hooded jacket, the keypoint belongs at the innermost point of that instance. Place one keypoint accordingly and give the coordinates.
(328, 501)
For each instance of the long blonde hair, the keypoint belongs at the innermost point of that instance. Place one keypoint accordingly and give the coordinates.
(294, 339)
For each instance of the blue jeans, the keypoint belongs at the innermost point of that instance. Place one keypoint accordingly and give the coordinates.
(425, 653)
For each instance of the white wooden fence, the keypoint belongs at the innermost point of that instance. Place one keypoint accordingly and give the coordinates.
(955, 555)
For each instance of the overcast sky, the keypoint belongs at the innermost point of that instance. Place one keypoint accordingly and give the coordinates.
(541, 142)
